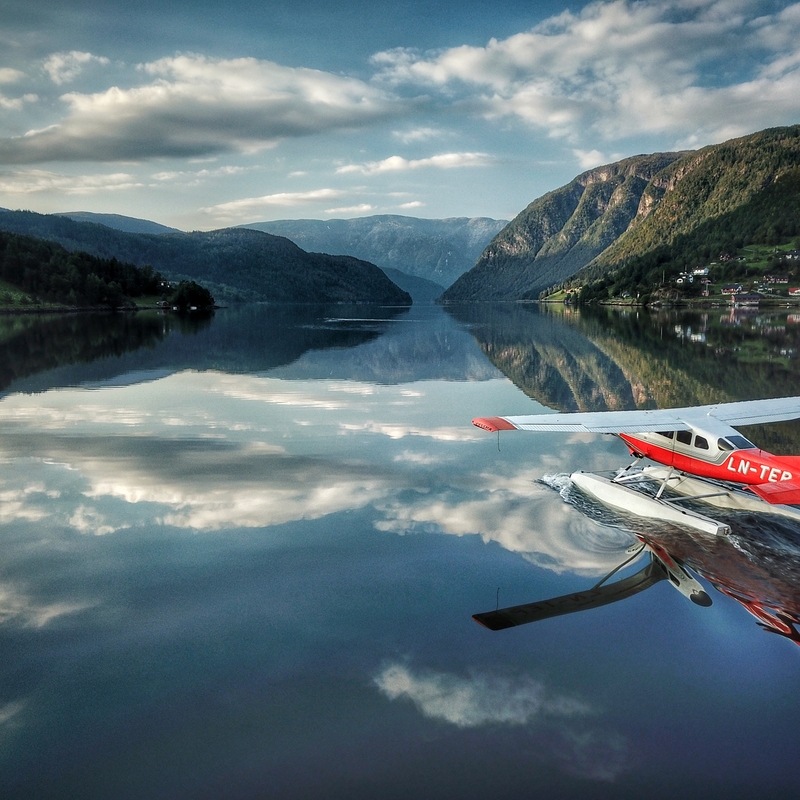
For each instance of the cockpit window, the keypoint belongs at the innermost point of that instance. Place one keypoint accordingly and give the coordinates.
(666, 434)
(701, 442)
(724, 444)
(740, 443)
(684, 437)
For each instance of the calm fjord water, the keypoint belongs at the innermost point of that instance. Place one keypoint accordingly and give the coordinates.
(239, 559)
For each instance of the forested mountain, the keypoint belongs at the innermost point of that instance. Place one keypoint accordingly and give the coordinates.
(420, 289)
(439, 250)
(234, 263)
(661, 208)
(47, 273)
(120, 222)
(715, 201)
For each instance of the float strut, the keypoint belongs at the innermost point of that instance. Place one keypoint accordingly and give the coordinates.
(664, 484)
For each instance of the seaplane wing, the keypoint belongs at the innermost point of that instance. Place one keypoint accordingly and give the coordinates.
(745, 412)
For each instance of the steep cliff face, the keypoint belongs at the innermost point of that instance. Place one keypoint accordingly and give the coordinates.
(562, 231)
(610, 216)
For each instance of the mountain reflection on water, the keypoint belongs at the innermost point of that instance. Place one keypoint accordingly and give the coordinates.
(601, 359)
(239, 559)
(247, 338)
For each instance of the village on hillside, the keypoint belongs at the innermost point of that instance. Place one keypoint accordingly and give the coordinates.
(755, 275)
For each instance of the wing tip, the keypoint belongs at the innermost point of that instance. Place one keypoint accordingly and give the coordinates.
(493, 620)
(493, 424)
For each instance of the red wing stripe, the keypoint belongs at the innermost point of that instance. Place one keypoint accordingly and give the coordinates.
(493, 424)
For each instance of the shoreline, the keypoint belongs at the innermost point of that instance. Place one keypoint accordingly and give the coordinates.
(96, 309)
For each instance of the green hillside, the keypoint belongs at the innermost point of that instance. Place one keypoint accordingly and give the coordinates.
(234, 263)
(722, 199)
(632, 226)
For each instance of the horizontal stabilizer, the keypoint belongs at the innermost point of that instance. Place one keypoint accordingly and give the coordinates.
(778, 493)
(569, 603)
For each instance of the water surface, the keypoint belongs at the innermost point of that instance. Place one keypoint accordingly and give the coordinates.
(239, 558)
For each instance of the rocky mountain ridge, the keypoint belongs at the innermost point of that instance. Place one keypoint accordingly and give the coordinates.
(609, 216)
(562, 231)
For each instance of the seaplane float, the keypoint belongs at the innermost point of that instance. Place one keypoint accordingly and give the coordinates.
(698, 455)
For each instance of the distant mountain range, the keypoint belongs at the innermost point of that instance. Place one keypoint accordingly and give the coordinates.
(439, 250)
(613, 221)
(119, 222)
(234, 263)
(422, 290)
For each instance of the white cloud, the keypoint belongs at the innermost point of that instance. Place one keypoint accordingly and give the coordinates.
(590, 158)
(8, 75)
(419, 134)
(241, 209)
(412, 204)
(400, 164)
(10, 710)
(89, 520)
(361, 208)
(35, 181)
(197, 106)
(195, 484)
(594, 755)
(500, 509)
(198, 177)
(623, 68)
(692, 72)
(400, 430)
(16, 103)
(65, 67)
(480, 699)
(468, 702)
(16, 606)
(247, 387)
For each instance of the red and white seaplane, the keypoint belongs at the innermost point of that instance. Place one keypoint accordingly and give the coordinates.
(703, 457)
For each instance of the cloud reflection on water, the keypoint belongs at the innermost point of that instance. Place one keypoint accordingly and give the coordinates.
(558, 722)
(479, 699)
(239, 458)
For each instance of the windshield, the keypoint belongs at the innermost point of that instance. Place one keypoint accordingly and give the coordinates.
(739, 443)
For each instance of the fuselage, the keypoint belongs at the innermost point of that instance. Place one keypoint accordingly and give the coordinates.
(726, 458)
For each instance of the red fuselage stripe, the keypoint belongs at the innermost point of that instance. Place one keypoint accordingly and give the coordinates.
(741, 466)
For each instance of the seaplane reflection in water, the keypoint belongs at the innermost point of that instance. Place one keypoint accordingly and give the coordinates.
(702, 458)
(758, 565)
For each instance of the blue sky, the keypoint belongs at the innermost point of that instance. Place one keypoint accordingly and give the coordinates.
(209, 113)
